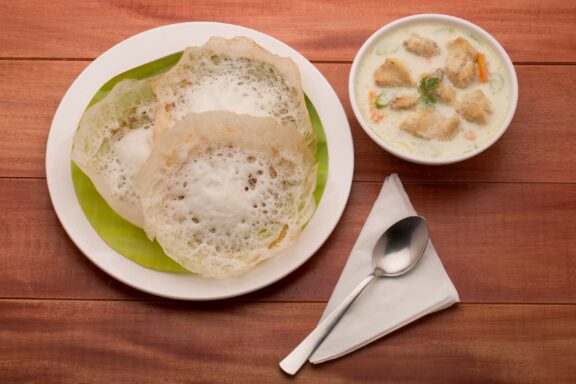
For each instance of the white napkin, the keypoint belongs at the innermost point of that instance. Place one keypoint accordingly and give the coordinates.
(387, 303)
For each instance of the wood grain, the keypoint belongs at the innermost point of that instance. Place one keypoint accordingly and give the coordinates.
(537, 147)
(532, 31)
(29, 96)
(498, 242)
(96, 342)
(503, 222)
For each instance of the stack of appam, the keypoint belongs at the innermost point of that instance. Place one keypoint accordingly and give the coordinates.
(215, 159)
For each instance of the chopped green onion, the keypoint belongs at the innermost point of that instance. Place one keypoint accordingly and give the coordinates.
(449, 30)
(382, 100)
(387, 49)
(496, 82)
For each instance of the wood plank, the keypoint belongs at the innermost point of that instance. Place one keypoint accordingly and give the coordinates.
(498, 242)
(537, 147)
(142, 342)
(29, 97)
(533, 31)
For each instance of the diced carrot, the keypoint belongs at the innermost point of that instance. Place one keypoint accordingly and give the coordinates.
(375, 115)
(470, 136)
(371, 98)
(482, 70)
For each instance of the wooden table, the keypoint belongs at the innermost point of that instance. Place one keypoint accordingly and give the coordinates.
(504, 222)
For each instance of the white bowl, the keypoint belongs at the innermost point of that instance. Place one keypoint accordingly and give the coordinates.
(448, 20)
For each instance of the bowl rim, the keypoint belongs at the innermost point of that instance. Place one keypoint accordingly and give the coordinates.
(442, 18)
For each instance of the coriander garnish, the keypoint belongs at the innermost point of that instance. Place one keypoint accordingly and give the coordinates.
(427, 87)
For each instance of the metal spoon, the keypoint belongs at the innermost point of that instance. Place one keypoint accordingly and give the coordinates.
(397, 251)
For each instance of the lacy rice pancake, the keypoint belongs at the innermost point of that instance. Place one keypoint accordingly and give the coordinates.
(222, 192)
(113, 141)
(235, 75)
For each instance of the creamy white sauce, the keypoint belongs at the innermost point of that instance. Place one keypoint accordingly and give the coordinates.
(497, 90)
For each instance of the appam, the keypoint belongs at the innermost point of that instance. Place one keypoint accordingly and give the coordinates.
(113, 140)
(222, 192)
(235, 75)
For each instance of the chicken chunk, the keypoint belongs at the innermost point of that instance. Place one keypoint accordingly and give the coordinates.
(460, 62)
(474, 107)
(392, 74)
(444, 93)
(421, 46)
(430, 124)
(401, 102)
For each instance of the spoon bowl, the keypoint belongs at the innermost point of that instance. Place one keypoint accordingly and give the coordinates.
(400, 248)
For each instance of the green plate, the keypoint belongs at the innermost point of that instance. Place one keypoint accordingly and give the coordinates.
(129, 240)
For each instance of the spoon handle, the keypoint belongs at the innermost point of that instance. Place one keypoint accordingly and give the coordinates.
(294, 361)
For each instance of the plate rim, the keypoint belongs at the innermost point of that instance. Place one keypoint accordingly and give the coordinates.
(83, 83)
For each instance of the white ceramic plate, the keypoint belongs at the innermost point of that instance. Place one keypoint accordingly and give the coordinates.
(154, 44)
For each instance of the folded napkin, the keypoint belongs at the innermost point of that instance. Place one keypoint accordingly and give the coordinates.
(387, 303)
